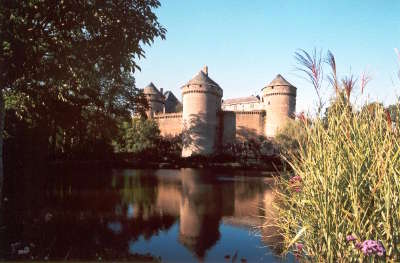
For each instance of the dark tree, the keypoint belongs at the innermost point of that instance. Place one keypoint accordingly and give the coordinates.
(394, 113)
(65, 56)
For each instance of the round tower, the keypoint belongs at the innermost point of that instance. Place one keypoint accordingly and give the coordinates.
(201, 99)
(279, 99)
(155, 99)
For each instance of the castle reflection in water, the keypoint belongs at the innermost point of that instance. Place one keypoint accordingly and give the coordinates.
(88, 214)
(202, 202)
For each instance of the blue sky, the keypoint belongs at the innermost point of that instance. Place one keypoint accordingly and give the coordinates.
(247, 43)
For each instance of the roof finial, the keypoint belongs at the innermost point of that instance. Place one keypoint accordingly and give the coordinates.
(205, 70)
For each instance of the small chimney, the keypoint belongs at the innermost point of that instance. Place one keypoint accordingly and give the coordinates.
(162, 91)
(205, 70)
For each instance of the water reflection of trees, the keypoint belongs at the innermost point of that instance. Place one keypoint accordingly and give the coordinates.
(139, 191)
(246, 190)
(86, 223)
(100, 218)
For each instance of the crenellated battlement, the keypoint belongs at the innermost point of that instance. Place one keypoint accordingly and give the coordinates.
(173, 115)
(254, 112)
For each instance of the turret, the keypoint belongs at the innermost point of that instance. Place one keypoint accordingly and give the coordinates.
(155, 100)
(279, 98)
(201, 98)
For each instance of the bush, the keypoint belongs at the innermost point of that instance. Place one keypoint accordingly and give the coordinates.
(138, 136)
(289, 138)
(345, 189)
(142, 139)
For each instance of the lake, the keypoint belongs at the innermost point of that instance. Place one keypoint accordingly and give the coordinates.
(180, 215)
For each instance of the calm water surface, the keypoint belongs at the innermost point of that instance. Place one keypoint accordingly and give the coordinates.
(185, 215)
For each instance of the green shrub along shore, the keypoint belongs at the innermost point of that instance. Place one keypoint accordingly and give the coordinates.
(341, 201)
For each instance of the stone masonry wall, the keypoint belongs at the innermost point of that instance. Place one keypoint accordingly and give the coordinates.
(201, 103)
(249, 124)
(242, 125)
(280, 104)
(170, 124)
(228, 123)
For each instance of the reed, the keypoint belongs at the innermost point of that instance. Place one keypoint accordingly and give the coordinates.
(340, 202)
(345, 189)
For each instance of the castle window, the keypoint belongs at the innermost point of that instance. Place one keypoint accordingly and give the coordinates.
(269, 103)
(252, 106)
(235, 107)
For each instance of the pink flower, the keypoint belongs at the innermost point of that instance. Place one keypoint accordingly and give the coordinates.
(295, 183)
(295, 179)
(299, 250)
(299, 246)
(371, 247)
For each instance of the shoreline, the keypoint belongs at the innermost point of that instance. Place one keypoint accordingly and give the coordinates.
(267, 163)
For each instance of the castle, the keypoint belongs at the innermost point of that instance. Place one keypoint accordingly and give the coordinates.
(207, 122)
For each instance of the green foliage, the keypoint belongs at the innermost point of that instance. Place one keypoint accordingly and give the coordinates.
(60, 47)
(67, 68)
(243, 150)
(170, 147)
(290, 137)
(337, 103)
(347, 182)
(139, 190)
(392, 110)
(140, 135)
(25, 135)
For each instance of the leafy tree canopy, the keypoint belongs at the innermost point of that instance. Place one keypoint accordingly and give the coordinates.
(65, 55)
(140, 135)
(67, 66)
(63, 46)
(71, 62)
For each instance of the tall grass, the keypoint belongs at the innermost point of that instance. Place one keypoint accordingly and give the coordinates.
(347, 183)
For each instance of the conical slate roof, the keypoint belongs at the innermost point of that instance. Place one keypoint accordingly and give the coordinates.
(151, 89)
(279, 81)
(202, 79)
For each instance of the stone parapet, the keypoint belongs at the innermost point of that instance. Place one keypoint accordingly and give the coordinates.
(175, 115)
(209, 91)
(281, 93)
(254, 112)
(170, 124)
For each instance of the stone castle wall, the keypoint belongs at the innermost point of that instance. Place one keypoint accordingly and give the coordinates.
(170, 124)
(228, 125)
(206, 124)
(235, 125)
(250, 124)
